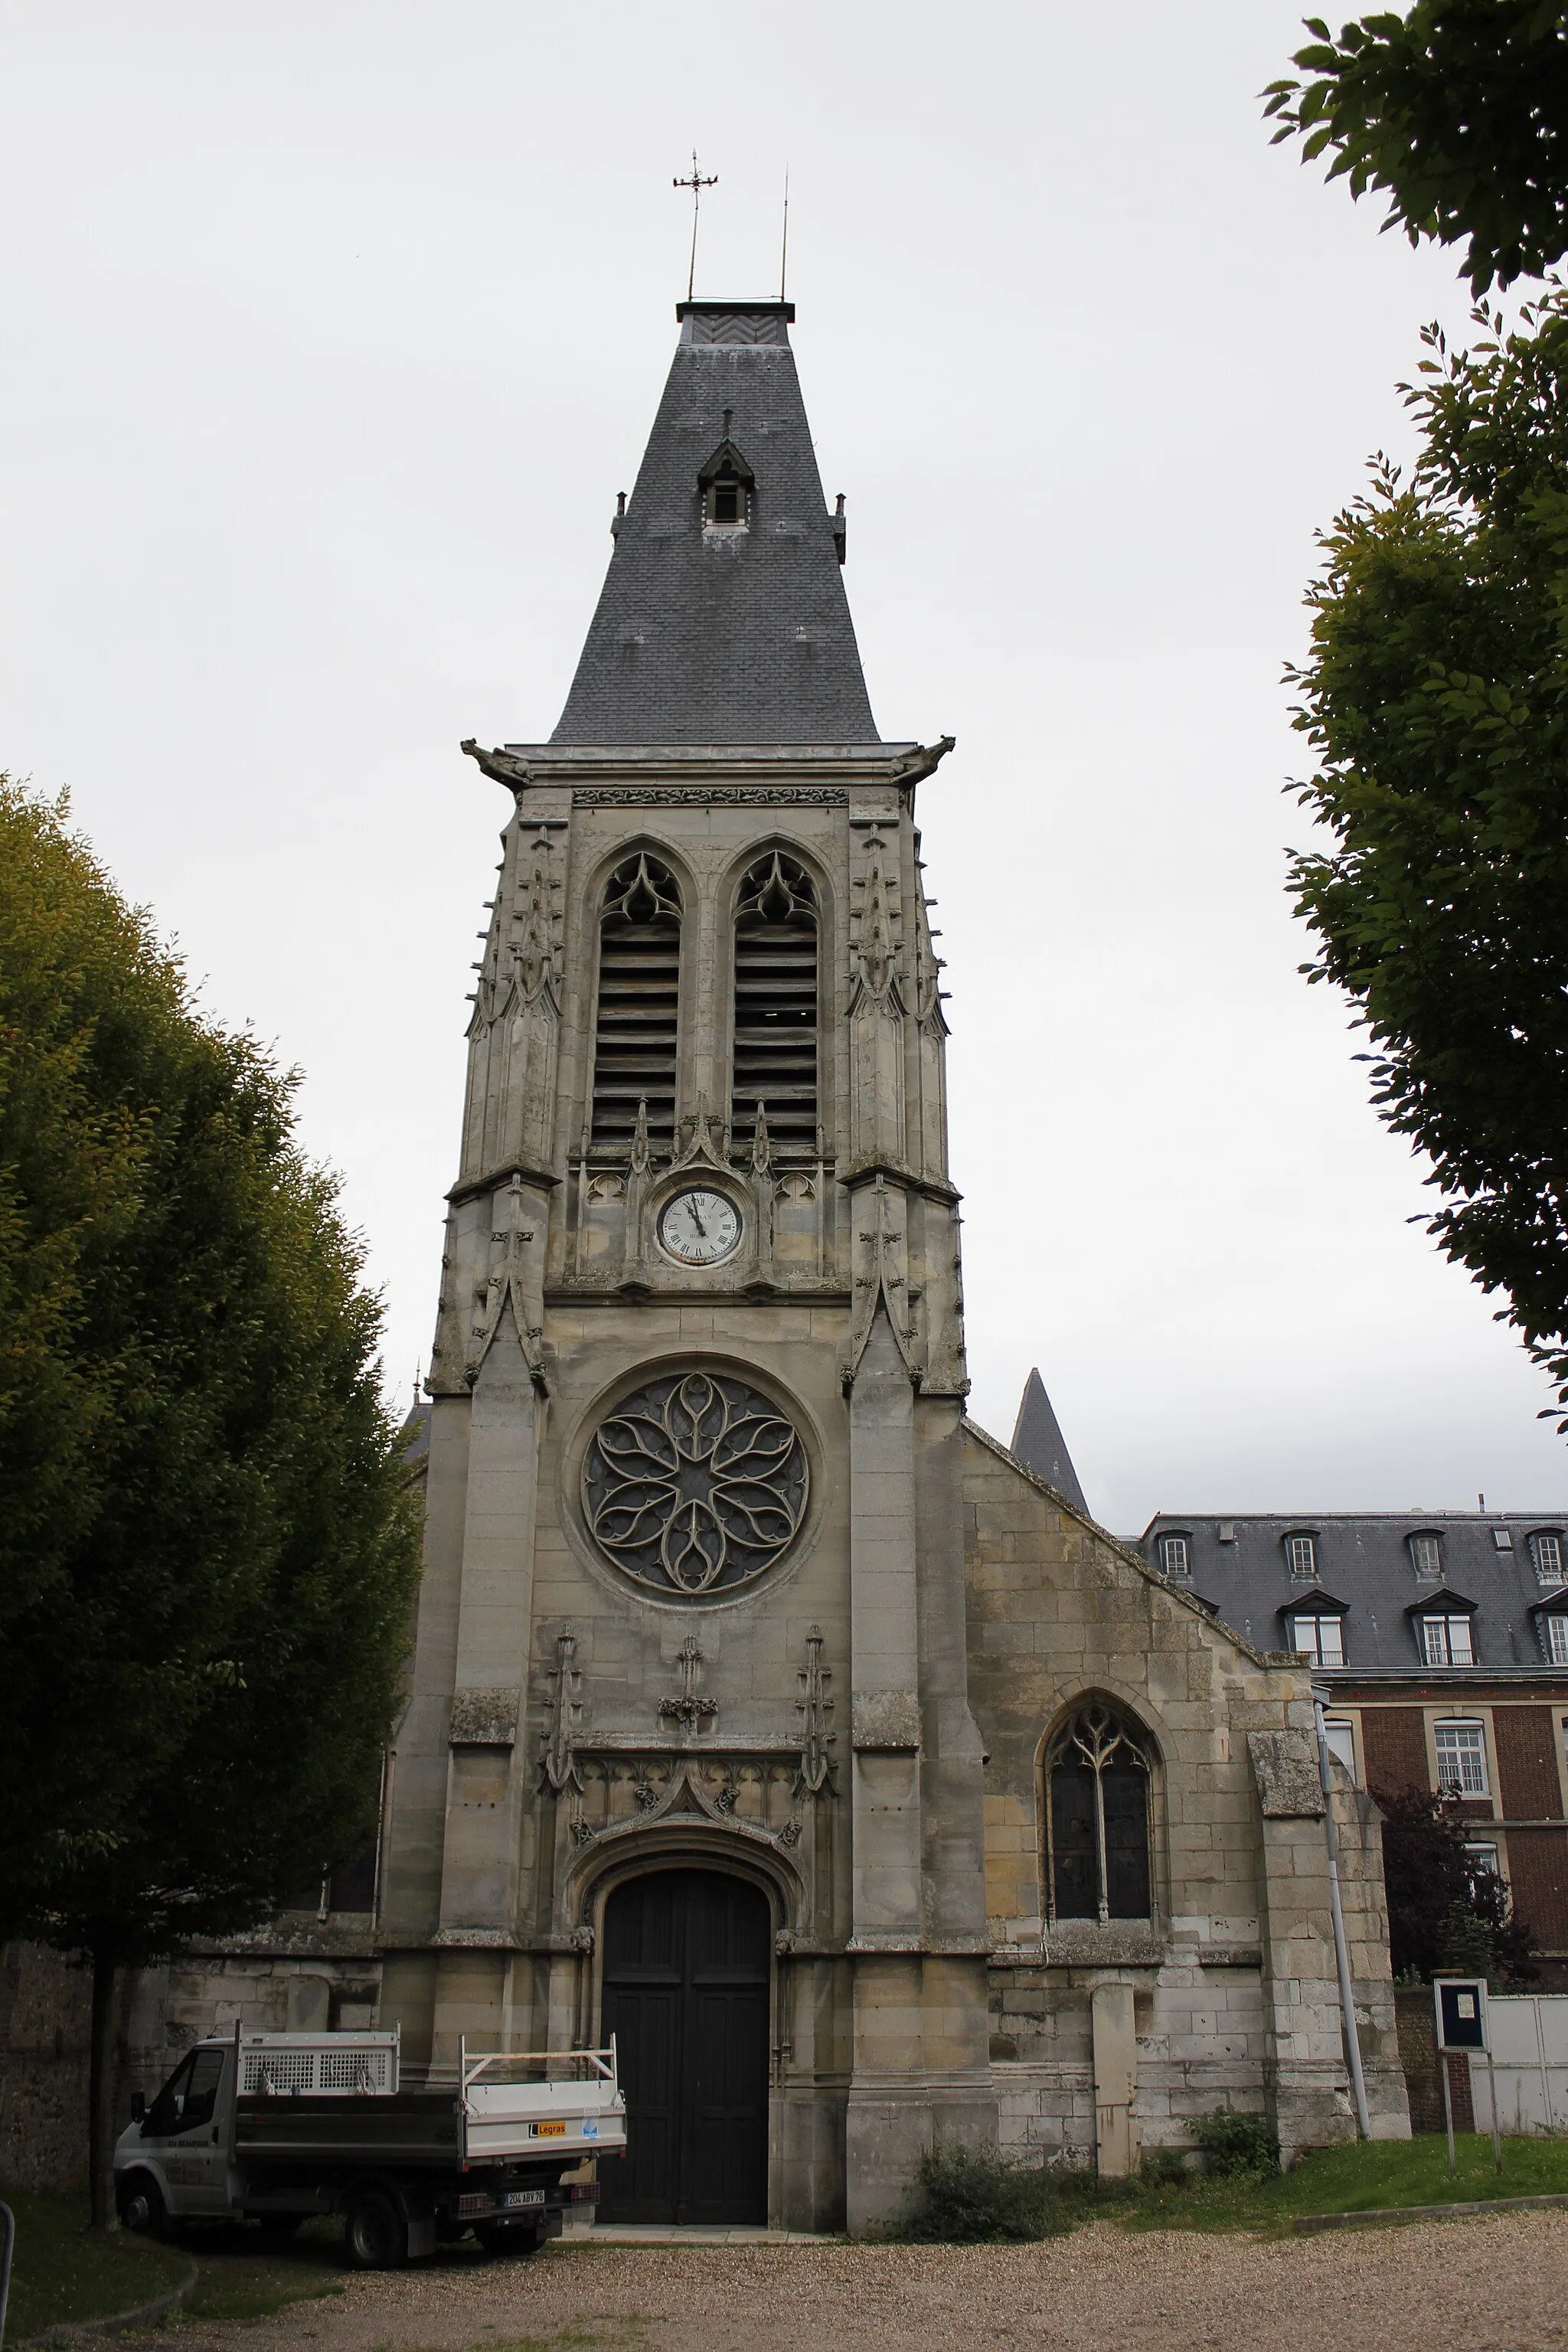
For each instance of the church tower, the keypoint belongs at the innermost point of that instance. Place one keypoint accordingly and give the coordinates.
(690, 1694)
(765, 1711)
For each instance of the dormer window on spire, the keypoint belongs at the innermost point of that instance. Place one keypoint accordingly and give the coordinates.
(726, 483)
(727, 501)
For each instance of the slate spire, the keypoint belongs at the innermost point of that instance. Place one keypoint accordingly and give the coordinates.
(724, 617)
(1039, 1442)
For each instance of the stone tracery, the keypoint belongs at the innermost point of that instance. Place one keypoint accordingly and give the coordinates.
(695, 1484)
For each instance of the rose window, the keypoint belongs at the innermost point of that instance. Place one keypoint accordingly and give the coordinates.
(695, 1483)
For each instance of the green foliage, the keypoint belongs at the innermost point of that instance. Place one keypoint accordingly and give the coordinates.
(207, 1558)
(973, 2196)
(1435, 701)
(1443, 1912)
(1459, 109)
(1237, 2144)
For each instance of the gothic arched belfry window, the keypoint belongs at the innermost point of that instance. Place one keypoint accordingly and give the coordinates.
(1096, 1818)
(775, 1003)
(637, 1024)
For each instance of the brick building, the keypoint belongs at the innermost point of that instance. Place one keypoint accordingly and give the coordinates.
(1444, 1638)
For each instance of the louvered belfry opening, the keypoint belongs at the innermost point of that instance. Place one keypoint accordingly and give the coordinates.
(639, 1004)
(775, 1003)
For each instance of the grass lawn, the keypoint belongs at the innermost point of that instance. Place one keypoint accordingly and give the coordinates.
(1357, 2180)
(241, 2274)
(63, 2271)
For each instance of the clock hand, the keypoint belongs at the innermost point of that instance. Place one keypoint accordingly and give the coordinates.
(697, 1220)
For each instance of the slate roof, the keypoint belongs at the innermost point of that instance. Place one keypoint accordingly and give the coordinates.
(705, 636)
(1365, 1561)
(1039, 1442)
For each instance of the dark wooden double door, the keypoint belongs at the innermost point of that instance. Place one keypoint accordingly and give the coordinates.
(685, 1996)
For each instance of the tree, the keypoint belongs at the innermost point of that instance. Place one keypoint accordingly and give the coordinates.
(1435, 701)
(1461, 110)
(1444, 1912)
(206, 1554)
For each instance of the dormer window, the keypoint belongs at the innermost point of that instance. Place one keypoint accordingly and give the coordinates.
(1301, 1558)
(727, 501)
(1320, 1640)
(1427, 1556)
(1175, 1557)
(1447, 1642)
(726, 483)
(1546, 1550)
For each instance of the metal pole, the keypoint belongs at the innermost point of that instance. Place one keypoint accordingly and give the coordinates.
(1447, 2108)
(1491, 2087)
(1342, 1949)
(10, 2218)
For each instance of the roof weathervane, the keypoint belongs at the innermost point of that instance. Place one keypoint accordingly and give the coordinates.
(784, 242)
(695, 183)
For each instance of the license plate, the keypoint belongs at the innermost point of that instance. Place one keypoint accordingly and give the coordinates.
(547, 2131)
(523, 2197)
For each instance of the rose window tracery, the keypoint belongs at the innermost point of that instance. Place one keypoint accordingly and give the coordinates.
(695, 1484)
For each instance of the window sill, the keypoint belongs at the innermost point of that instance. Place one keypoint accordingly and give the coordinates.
(1118, 1943)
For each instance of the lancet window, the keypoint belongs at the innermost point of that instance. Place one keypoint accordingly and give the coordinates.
(638, 1022)
(1096, 1818)
(775, 1003)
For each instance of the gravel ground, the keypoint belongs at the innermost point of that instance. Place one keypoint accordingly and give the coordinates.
(1464, 2287)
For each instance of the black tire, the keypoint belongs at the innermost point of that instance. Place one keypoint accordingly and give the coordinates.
(141, 2206)
(375, 2235)
(507, 2238)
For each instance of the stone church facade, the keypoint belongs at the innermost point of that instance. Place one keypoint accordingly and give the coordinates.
(764, 1711)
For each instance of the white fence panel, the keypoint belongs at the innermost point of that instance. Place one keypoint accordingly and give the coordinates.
(1530, 2059)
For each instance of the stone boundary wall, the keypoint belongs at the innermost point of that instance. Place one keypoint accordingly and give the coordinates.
(46, 2012)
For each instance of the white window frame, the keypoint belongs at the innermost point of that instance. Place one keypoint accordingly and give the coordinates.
(1426, 1543)
(1503, 1539)
(1547, 1573)
(1469, 1756)
(1554, 1636)
(1437, 1640)
(1313, 1648)
(1175, 1556)
(1300, 1550)
(1488, 1847)
(1339, 1733)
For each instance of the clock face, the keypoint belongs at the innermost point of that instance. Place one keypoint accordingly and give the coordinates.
(699, 1227)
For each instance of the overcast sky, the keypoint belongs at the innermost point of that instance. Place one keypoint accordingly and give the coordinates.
(333, 331)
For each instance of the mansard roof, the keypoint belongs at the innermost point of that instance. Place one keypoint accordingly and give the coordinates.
(733, 636)
(1487, 1571)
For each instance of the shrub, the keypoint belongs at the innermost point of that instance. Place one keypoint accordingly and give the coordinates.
(976, 2196)
(1235, 2144)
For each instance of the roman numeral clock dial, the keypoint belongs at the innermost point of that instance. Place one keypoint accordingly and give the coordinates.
(699, 1227)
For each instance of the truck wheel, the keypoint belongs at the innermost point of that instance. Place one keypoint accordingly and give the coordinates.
(506, 2238)
(375, 2233)
(141, 2206)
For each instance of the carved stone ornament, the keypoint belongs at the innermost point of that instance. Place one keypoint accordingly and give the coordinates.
(695, 1484)
(592, 796)
(484, 1719)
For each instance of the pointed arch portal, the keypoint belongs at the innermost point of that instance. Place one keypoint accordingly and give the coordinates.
(686, 1985)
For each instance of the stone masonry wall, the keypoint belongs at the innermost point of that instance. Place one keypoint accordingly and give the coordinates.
(46, 2007)
(1235, 1996)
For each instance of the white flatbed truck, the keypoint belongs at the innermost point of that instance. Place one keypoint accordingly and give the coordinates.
(276, 2127)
